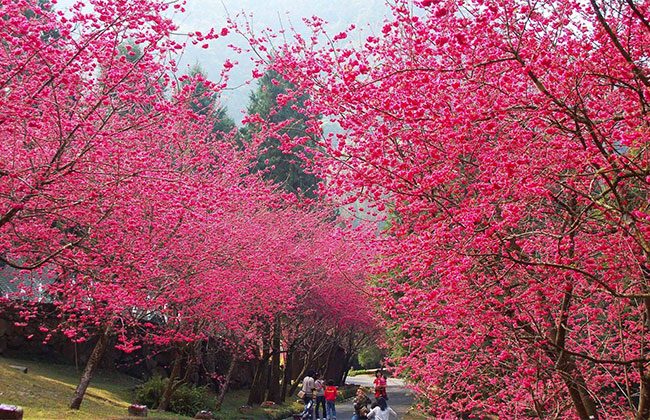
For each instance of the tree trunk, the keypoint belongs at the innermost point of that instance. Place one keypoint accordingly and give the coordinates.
(256, 395)
(347, 363)
(577, 387)
(294, 386)
(91, 366)
(169, 390)
(326, 369)
(209, 364)
(226, 381)
(258, 388)
(286, 376)
(274, 393)
(643, 412)
(566, 365)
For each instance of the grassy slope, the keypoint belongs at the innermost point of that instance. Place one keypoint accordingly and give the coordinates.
(45, 391)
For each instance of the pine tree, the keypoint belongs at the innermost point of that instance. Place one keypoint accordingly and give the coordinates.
(285, 169)
(207, 105)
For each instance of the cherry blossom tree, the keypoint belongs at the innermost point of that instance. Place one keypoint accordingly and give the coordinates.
(151, 223)
(105, 164)
(507, 142)
(323, 269)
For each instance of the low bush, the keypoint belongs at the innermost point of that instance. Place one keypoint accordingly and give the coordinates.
(186, 400)
(347, 391)
(283, 411)
(149, 393)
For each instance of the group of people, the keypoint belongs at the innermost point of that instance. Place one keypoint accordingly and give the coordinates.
(314, 387)
(324, 394)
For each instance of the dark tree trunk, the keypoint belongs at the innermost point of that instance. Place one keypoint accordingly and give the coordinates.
(643, 410)
(209, 364)
(286, 375)
(91, 366)
(347, 363)
(568, 369)
(226, 381)
(303, 370)
(326, 369)
(577, 387)
(274, 380)
(258, 388)
(169, 390)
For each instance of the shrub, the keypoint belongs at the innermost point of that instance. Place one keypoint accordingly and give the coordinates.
(370, 357)
(186, 400)
(149, 393)
(189, 399)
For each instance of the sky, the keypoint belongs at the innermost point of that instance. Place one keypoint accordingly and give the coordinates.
(201, 15)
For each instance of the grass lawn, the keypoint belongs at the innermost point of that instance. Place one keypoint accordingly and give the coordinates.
(45, 391)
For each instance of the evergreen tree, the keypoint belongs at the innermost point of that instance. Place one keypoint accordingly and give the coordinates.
(207, 105)
(286, 169)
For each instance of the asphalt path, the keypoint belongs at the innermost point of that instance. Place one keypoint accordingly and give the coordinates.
(400, 398)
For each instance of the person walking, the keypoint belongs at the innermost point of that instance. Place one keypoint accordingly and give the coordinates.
(319, 387)
(307, 391)
(360, 405)
(330, 398)
(381, 411)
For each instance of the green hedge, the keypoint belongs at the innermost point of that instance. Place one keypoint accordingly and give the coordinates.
(186, 400)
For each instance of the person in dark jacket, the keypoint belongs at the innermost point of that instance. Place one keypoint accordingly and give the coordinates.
(360, 405)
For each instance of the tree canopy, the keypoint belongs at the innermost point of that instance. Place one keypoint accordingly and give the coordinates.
(508, 140)
(122, 181)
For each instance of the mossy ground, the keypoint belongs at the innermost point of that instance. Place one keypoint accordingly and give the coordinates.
(45, 391)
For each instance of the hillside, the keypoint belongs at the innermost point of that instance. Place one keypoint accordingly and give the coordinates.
(44, 392)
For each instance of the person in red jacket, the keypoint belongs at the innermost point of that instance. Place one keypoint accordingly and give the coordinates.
(380, 385)
(330, 400)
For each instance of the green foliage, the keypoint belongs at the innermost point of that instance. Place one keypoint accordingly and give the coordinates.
(346, 392)
(370, 357)
(207, 105)
(186, 400)
(149, 393)
(285, 169)
(357, 372)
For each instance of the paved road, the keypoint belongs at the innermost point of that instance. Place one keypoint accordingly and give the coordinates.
(400, 399)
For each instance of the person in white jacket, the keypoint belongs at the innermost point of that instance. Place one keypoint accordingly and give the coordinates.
(308, 386)
(382, 411)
